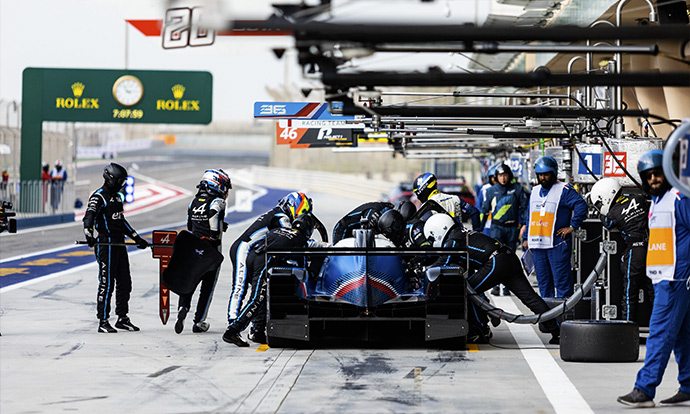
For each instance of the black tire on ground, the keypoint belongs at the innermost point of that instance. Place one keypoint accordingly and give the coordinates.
(600, 341)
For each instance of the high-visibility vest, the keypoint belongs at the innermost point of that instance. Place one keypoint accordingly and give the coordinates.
(661, 250)
(542, 216)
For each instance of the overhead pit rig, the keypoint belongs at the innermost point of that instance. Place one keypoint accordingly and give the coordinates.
(595, 121)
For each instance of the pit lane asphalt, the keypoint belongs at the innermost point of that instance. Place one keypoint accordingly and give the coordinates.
(53, 360)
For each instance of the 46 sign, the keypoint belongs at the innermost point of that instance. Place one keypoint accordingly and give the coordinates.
(181, 29)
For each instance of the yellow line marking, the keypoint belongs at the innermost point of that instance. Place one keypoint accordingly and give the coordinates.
(6, 271)
(472, 348)
(262, 348)
(43, 262)
(78, 253)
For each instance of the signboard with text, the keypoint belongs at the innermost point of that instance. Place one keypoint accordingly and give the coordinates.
(314, 133)
(132, 96)
(611, 167)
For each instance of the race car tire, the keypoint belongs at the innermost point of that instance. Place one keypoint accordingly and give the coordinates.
(600, 341)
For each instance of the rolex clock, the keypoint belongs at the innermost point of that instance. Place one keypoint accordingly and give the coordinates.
(128, 90)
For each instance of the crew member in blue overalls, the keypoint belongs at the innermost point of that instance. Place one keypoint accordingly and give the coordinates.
(668, 265)
(481, 196)
(425, 188)
(507, 203)
(555, 211)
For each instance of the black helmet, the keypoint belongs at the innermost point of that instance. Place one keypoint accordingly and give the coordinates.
(503, 169)
(391, 224)
(407, 209)
(424, 185)
(304, 224)
(115, 176)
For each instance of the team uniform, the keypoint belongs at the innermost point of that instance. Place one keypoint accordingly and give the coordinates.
(491, 263)
(272, 219)
(549, 210)
(368, 211)
(629, 215)
(104, 214)
(458, 208)
(668, 266)
(205, 221)
(507, 206)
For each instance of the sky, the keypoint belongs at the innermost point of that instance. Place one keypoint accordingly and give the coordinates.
(94, 34)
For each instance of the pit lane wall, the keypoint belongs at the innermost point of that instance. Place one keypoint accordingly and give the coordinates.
(353, 186)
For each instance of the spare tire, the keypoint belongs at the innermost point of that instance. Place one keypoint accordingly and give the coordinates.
(600, 341)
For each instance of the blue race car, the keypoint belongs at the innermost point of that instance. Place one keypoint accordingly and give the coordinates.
(359, 289)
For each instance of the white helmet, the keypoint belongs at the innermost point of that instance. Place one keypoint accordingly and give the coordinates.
(437, 226)
(604, 193)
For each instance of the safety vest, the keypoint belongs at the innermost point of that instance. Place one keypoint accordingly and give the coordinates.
(661, 250)
(542, 216)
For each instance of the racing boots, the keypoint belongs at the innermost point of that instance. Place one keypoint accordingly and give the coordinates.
(179, 324)
(200, 327)
(104, 327)
(232, 337)
(124, 323)
(257, 335)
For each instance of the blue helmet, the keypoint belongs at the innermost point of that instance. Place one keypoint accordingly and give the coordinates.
(492, 170)
(546, 164)
(650, 160)
(424, 185)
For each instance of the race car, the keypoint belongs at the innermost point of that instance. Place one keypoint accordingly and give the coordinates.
(360, 289)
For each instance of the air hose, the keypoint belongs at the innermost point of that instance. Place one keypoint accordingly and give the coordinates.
(545, 316)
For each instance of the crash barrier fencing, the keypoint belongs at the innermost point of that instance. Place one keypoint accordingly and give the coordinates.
(33, 198)
(351, 186)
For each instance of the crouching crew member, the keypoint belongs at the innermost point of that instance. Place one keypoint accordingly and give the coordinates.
(490, 263)
(104, 214)
(257, 268)
(205, 220)
(288, 209)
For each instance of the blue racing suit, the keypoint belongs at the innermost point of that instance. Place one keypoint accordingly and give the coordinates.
(669, 326)
(508, 205)
(552, 265)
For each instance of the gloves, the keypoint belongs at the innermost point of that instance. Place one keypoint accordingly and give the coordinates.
(141, 243)
(90, 240)
(225, 227)
(374, 219)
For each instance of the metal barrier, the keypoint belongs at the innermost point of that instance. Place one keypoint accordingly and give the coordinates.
(38, 198)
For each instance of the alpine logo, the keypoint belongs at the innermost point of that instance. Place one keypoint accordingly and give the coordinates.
(199, 252)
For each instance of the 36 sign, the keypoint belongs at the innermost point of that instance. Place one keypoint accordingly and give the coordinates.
(611, 167)
(181, 29)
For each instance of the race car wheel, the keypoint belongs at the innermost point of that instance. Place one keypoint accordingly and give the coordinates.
(600, 341)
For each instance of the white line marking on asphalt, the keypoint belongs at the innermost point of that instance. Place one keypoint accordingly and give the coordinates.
(558, 388)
